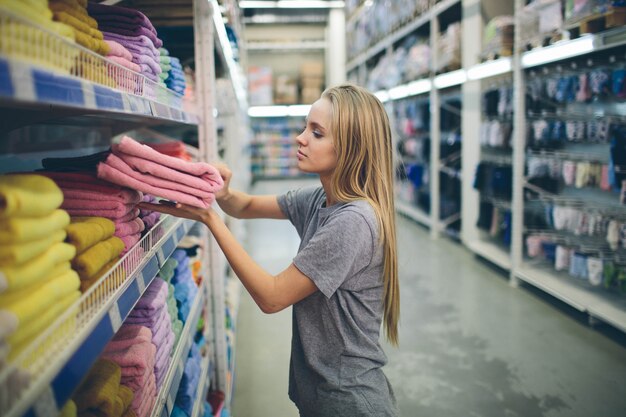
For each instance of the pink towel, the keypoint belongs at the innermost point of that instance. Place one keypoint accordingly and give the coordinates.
(128, 335)
(117, 50)
(130, 241)
(114, 214)
(123, 229)
(194, 185)
(144, 401)
(126, 63)
(136, 360)
(199, 169)
(124, 195)
(124, 175)
(115, 206)
(81, 180)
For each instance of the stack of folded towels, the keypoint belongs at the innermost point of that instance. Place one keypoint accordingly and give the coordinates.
(185, 289)
(36, 281)
(102, 394)
(152, 311)
(134, 31)
(148, 217)
(31, 43)
(176, 77)
(166, 273)
(125, 80)
(142, 168)
(164, 62)
(74, 14)
(96, 248)
(87, 196)
(132, 349)
(186, 395)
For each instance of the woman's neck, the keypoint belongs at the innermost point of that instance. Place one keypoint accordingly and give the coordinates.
(327, 190)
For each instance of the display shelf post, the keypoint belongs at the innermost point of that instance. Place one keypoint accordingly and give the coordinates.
(470, 119)
(519, 145)
(435, 134)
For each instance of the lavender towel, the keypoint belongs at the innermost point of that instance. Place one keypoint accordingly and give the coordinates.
(151, 219)
(151, 321)
(152, 300)
(131, 31)
(126, 41)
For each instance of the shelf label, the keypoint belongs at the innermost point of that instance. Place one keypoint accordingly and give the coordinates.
(115, 317)
(46, 405)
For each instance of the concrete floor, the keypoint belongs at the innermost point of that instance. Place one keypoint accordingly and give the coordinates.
(470, 344)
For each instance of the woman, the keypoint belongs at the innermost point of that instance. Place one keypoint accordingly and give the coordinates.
(343, 282)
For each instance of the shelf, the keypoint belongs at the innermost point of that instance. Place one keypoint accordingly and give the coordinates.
(491, 252)
(581, 46)
(286, 47)
(164, 404)
(610, 309)
(399, 34)
(413, 212)
(57, 365)
(30, 89)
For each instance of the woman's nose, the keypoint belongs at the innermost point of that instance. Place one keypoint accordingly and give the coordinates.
(300, 139)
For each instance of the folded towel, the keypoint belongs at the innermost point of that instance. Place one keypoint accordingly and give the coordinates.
(126, 63)
(29, 331)
(99, 390)
(35, 270)
(84, 232)
(125, 196)
(25, 310)
(27, 229)
(199, 169)
(117, 171)
(172, 308)
(151, 220)
(130, 241)
(136, 360)
(28, 195)
(181, 258)
(118, 50)
(162, 330)
(78, 22)
(167, 270)
(132, 227)
(119, 14)
(146, 398)
(18, 253)
(122, 212)
(144, 48)
(76, 11)
(82, 180)
(177, 328)
(118, 276)
(149, 321)
(163, 353)
(69, 409)
(152, 300)
(11, 296)
(148, 63)
(128, 335)
(88, 263)
(129, 30)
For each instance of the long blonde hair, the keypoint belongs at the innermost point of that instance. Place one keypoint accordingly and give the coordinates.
(362, 139)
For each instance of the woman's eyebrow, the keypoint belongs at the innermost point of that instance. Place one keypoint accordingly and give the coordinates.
(318, 126)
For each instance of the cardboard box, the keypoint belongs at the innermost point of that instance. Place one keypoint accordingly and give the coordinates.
(312, 69)
(260, 86)
(285, 90)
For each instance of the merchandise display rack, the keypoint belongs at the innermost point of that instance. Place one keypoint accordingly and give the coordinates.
(44, 376)
(600, 305)
(54, 366)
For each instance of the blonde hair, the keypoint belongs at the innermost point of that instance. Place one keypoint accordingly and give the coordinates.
(362, 139)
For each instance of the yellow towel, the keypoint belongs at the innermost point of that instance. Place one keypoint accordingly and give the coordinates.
(75, 11)
(25, 310)
(28, 195)
(126, 396)
(27, 229)
(99, 390)
(93, 259)
(120, 276)
(84, 232)
(69, 409)
(78, 24)
(16, 277)
(19, 253)
(32, 12)
(129, 413)
(73, 3)
(27, 333)
(9, 297)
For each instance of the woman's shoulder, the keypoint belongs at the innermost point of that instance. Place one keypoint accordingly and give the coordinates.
(359, 209)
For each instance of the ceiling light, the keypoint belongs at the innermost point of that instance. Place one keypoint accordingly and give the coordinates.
(450, 79)
(566, 49)
(489, 69)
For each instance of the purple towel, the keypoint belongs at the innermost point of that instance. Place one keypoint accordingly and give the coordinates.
(159, 335)
(137, 49)
(129, 40)
(151, 321)
(152, 300)
(151, 219)
(131, 31)
(147, 64)
(117, 13)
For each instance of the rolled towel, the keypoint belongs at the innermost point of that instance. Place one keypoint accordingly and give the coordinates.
(93, 259)
(35, 270)
(28, 195)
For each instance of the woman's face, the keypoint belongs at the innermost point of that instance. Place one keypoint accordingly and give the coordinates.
(316, 151)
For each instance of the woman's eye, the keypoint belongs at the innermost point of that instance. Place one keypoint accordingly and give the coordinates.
(317, 134)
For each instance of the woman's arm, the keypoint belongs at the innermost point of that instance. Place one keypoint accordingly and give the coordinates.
(271, 293)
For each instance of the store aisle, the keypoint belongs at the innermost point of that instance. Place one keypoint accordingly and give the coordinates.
(470, 344)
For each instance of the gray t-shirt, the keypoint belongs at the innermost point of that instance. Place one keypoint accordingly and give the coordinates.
(336, 359)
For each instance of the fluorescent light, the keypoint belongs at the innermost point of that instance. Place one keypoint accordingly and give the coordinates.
(296, 110)
(399, 92)
(451, 78)
(566, 49)
(291, 4)
(419, 87)
(489, 69)
(382, 95)
(267, 111)
(299, 110)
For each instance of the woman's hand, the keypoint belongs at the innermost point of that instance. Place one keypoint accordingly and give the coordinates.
(179, 210)
(226, 174)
